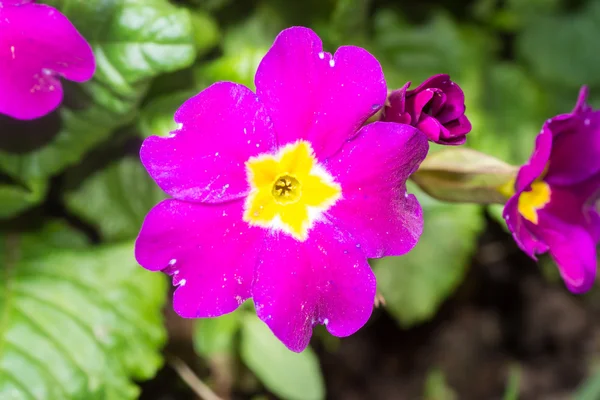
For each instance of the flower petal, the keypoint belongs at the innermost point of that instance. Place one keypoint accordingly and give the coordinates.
(310, 95)
(220, 129)
(522, 230)
(325, 279)
(37, 43)
(534, 168)
(574, 205)
(575, 150)
(574, 252)
(395, 110)
(372, 170)
(208, 249)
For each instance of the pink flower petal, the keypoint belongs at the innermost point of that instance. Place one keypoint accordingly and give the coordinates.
(574, 251)
(208, 249)
(221, 128)
(37, 45)
(372, 170)
(310, 95)
(325, 279)
(575, 153)
(534, 168)
(520, 229)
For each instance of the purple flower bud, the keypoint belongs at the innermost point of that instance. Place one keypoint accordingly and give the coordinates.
(436, 107)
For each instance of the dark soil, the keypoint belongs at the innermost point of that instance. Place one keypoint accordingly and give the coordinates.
(505, 314)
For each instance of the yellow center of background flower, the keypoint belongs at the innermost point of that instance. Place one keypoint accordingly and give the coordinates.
(534, 200)
(289, 190)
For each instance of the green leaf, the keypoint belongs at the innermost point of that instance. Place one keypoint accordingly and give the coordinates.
(244, 47)
(350, 22)
(514, 381)
(116, 199)
(289, 375)
(14, 199)
(558, 47)
(156, 117)
(133, 41)
(206, 31)
(414, 285)
(436, 387)
(76, 323)
(216, 336)
(509, 115)
(590, 388)
(414, 53)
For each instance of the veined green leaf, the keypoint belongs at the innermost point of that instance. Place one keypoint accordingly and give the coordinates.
(116, 199)
(77, 323)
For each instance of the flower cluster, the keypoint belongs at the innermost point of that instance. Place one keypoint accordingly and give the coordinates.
(281, 196)
(553, 207)
(38, 45)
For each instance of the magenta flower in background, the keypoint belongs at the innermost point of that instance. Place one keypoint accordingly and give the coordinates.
(281, 195)
(554, 206)
(38, 45)
(436, 107)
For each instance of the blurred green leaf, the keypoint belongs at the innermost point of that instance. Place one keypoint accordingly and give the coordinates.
(211, 5)
(116, 199)
(289, 375)
(558, 47)
(206, 31)
(436, 387)
(350, 22)
(415, 52)
(156, 117)
(54, 234)
(216, 336)
(589, 389)
(133, 41)
(14, 199)
(416, 284)
(509, 116)
(495, 211)
(512, 386)
(75, 323)
(244, 46)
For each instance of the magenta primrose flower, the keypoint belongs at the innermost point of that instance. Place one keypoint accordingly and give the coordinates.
(38, 45)
(436, 107)
(282, 195)
(554, 203)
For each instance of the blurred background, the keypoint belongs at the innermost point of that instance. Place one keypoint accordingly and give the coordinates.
(465, 315)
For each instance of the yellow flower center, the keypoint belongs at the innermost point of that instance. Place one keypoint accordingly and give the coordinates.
(534, 200)
(289, 190)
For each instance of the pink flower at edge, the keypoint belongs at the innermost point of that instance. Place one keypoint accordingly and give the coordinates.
(436, 107)
(38, 45)
(554, 203)
(281, 196)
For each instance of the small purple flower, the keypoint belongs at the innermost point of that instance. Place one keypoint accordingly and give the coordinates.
(554, 203)
(282, 195)
(38, 45)
(436, 108)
